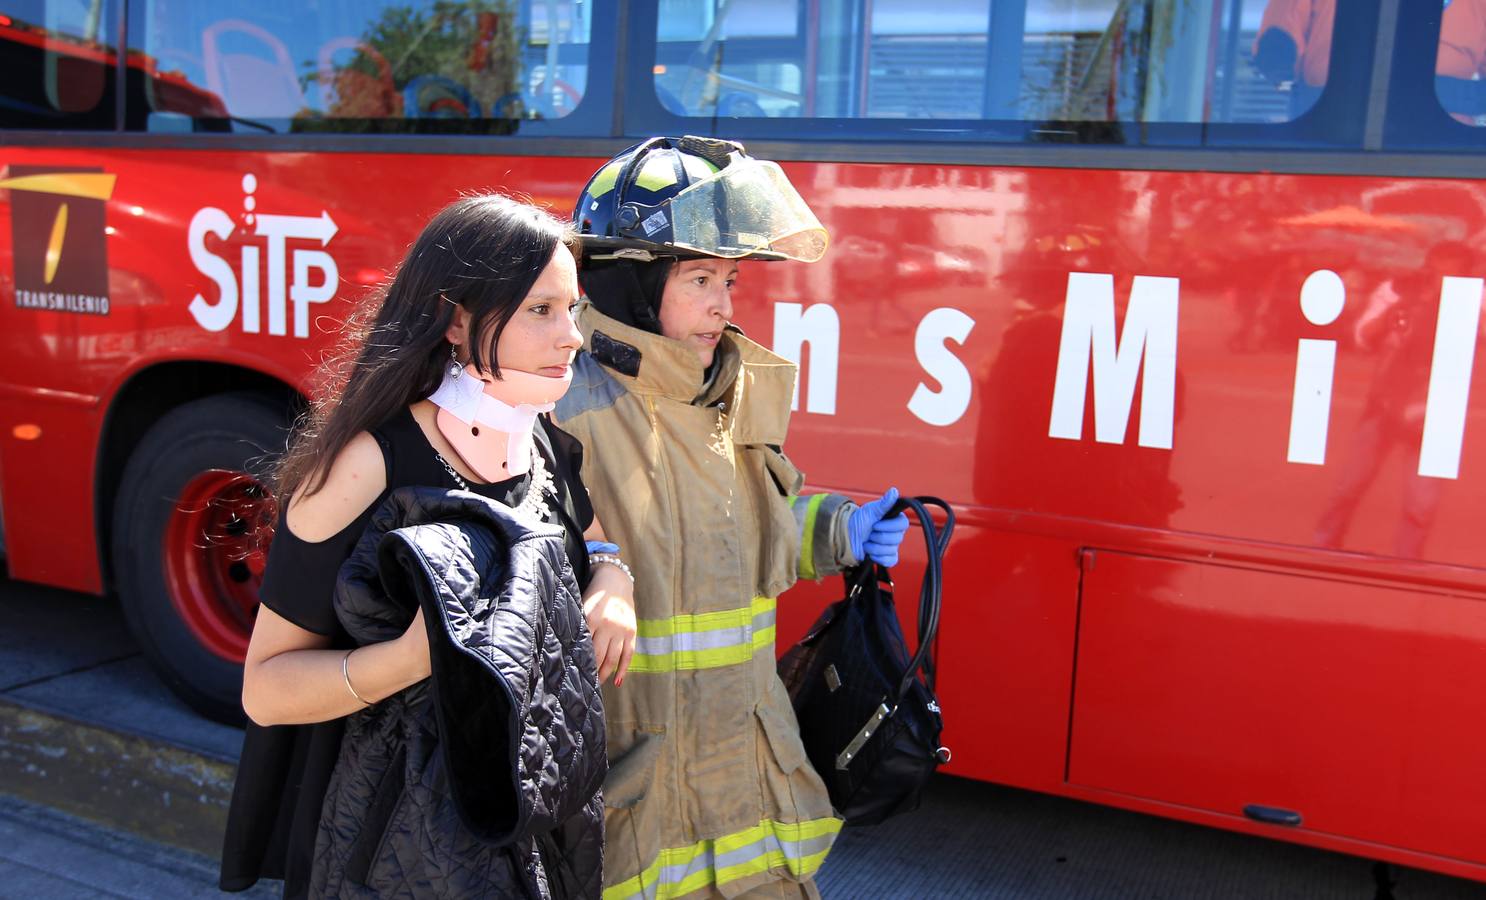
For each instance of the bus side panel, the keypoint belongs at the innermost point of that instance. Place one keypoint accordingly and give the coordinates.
(48, 490)
(1221, 687)
(53, 272)
(1006, 661)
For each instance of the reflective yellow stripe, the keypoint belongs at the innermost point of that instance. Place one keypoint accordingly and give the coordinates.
(807, 544)
(704, 640)
(603, 182)
(655, 173)
(795, 847)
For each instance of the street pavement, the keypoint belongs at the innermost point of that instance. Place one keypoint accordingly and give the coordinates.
(116, 747)
(48, 855)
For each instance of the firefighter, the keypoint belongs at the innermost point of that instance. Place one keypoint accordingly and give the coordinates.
(683, 419)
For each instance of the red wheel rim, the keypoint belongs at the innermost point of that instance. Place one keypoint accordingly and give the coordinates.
(214, 561)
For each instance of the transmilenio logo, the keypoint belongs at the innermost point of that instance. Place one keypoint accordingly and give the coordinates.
(57, 235)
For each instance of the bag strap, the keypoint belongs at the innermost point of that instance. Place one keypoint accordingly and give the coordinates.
(936, 540)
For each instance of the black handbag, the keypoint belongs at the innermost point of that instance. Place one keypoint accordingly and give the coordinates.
(868, 714)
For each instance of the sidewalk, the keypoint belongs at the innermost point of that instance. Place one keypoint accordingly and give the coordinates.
(48, 855)
(87, 729)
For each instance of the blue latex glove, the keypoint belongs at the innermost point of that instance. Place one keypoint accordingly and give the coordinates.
(602, 547)
(873, 537)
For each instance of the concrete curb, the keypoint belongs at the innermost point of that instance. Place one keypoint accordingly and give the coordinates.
(131, 782)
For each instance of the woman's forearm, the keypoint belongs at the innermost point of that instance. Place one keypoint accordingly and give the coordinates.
(298, 687)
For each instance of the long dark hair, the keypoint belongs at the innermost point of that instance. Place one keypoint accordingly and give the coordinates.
(482, 253)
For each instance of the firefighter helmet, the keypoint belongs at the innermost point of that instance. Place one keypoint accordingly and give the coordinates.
(693, 197)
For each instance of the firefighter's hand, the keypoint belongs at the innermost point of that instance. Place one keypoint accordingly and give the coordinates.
(872, 535)
(609, 608)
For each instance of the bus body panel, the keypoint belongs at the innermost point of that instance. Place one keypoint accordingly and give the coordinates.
(1225, 687)
(50, 536)
(938, 356)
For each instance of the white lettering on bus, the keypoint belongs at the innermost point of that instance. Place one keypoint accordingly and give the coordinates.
(212, 316)
(315, 275)
(251, 324)
(1322, 297)
(820, 327)
(948, 404)
(302, 293)
(1450, 377)
(91, 304)
(279, 230)
(1146, 348)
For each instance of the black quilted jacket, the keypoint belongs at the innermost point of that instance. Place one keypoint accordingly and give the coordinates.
(482, 781)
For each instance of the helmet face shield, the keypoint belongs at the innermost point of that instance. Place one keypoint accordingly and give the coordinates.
(748, 207)
(691, 197)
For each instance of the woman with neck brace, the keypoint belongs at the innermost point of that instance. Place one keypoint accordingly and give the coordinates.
(448, 386)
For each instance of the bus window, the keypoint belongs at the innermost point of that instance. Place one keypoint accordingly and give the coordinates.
(977, 69)
(1437, 82)
(485, 66)
(1460, 65)
(1293, 49)
(58, 58)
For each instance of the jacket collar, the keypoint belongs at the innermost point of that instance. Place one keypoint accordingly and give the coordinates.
(651, 364)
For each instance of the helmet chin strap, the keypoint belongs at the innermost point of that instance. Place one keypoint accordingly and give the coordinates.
(489, 422)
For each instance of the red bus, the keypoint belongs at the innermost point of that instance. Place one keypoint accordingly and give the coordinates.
(1188, 342)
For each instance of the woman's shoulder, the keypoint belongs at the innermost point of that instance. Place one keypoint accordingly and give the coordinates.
(356, 478)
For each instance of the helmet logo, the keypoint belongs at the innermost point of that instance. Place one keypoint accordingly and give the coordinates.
(655, 222)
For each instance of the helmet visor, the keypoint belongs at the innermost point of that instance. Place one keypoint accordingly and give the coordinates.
(748, 207)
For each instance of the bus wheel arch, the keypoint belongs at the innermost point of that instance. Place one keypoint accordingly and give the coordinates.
(181, 496)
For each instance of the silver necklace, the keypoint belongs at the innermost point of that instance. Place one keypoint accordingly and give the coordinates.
(534, 502)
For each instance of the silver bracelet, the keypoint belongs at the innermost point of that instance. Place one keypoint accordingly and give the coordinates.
(346, 674)
(615, 561)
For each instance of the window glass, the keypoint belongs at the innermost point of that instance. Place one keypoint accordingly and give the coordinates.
(1437, 81)
(1292, 53)
(969, 63)
(1460, 63)
(484, 66)
(58, 61)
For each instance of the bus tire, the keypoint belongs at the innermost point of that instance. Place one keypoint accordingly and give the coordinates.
(187, 543)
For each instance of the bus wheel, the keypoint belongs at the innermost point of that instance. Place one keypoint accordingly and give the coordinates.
(187, 534)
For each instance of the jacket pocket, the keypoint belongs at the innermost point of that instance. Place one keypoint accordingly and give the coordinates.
(786, 477)
(774, 480)
(790, 782)
(632, 769)
(377, 824)
(783, 736)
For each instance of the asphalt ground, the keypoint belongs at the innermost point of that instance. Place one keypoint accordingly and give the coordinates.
(109, 787)
(49, 855)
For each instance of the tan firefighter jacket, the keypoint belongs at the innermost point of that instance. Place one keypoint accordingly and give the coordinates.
(709, 788)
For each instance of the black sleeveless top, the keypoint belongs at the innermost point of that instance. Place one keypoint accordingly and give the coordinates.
(284, 770)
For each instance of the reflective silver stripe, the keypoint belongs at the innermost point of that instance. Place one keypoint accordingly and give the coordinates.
(792, 850)
(705, 640)
(708, 867)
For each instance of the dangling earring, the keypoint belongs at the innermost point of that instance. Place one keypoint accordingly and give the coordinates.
(455, 369)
